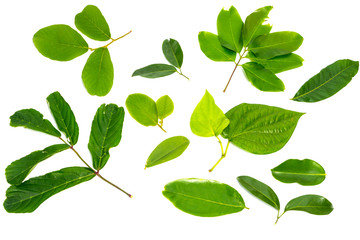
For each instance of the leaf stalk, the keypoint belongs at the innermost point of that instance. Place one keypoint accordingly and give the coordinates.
(112, 41)
(223, 153)
(236, 65)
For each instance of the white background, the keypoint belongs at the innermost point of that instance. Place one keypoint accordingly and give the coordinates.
(327, 133)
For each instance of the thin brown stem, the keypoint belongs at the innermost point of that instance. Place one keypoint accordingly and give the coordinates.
(112, 41)
(98, 174)
(236, 65)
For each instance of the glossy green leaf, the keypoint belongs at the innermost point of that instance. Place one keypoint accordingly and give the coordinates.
(280, 63)
(64, 117)
(164, 106)
(313, 204)
(212, 48)
(208, 120)
(29, 195)
(32, 119)
(98, 73)
(172, 52)
(260, 190)
(167, 150)
(60, 42)
(229, 26)
(275, 44)
(305, 172)
(155, 71)
(105, 133)
(260, 129)
(328, 81)
(18, 170)
(142, 108)
(262, 78)
(204, 198)
(92, 23)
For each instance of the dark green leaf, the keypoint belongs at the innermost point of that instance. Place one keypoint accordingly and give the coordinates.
(212, 48)
(204, 198)
(155, 71)
(172, 52)
(164, 106)
(142, 108)
(313, 204)
(60, 42)
(328, 81)
(280, 63)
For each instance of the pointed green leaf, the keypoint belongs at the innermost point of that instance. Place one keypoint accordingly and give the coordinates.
(313, 204)
(280, 63)
(92, 23)
(208, 120)
(98, 73)
(328, 81)
(105, 133)
(212, 48)
(142, 108)
(172, 52)
(155, 71)
(29, 195)
(204, 198)
(64, 117)
(60, 42)
(260, 129)
(164, 106)
(262, 78)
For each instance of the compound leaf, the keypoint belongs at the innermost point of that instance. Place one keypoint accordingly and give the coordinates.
(164, 106)
(311, 203)
(280, 63)
(212, 48)
(142, 108)
(155, 71)
(172, 52)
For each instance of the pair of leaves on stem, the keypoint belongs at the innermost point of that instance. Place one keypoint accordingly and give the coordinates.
(62, 43)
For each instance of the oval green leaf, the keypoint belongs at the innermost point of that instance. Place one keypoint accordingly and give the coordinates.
(280, 63)
(212, 48)
(203, 198)
(155, 71)
(313, 204)
(173, 52)
(142, 108)
(164, 106)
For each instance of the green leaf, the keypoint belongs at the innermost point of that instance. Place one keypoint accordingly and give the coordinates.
(32, 119)
(262, 78)
(92, 23)
(164, 106)
(313, 204)
(229, 26)
(167, 150)
(260, 129)
(260, 190)
(305, 172)
(204, 198)
(328, 81)
(105, 133)
(254, 26)
(18, 170)
(98, 73)
(212, 48)
(280, 63)
(29, 195)
(60, 42)
(275, 44)
(155, 71)
(64, 117)
(142, 108)
(172, 52)
(208, 120)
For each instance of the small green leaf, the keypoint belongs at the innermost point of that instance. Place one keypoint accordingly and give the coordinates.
(64, 117)
(305, 172)
(280, 63)
(92, 23)
(212, 48)
(203, 198)
(105, 133)
(328, 81)
(313, 204)
(60, 42)
(29, 195)
(18, 170)
(167, 150)
(98, 73)
(208, 120)
(32, 119)
(142, 108)
(164, 106)
(155, 71)
(172, 52)
(262, 78)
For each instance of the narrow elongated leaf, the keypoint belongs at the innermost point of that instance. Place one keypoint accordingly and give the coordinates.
(260, 129)
(155, 71)
(305, 172)
(18, 170)
(328, 81)
(280, 63)
(60, 42)
(167, 150)
(208, 120)
(260, 190)
(142, 108)
(313, 204)
(262, 78)
(229, 26)
(173, 52)
(212, 48)
(92, 23)
(98, 73)
(64, 117)
(32, 119)
(204, 198)
(275, 44)
(105, 133)
(29, 195)
(164, 106)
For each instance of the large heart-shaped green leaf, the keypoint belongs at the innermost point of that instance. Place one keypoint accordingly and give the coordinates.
(311, 203)
(142, 108)
(155, 71)
(164, 106)
(212, 48)
(172, 52)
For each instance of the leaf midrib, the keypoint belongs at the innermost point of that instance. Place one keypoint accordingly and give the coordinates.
(169, 152)
(297, 173)
(278, 207)
(261, 77)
